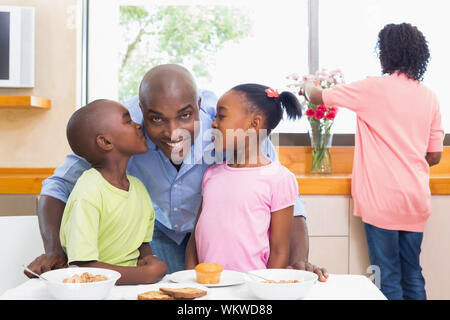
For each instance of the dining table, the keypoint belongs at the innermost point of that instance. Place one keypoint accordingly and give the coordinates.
(337, 287)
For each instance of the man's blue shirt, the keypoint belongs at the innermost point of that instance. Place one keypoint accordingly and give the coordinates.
(176, 195)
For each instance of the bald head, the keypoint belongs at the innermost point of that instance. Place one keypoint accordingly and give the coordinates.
(166, 80)
(85, 125)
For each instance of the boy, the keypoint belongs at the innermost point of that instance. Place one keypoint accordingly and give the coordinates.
(109, 218)
(399, 137)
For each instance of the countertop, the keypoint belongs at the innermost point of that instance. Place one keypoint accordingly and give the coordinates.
(296, 159)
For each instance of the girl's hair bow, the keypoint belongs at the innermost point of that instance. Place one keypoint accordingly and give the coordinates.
(271, 93)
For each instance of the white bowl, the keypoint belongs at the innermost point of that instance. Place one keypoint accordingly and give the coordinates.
(281, 291)
(80, 291)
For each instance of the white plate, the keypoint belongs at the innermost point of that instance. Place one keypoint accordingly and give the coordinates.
(131, 292)
(227, 278)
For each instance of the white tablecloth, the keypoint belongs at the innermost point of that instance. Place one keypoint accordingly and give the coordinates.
(337, 287)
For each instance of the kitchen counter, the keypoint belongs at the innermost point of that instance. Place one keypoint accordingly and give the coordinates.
(296, 159)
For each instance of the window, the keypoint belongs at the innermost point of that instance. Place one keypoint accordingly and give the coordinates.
(348, 37)
(245, 41)
(262, 41)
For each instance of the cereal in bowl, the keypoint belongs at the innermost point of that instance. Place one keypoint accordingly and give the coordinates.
(85, 278)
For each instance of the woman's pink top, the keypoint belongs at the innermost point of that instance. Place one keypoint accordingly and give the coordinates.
(398, 122)
(234, 225)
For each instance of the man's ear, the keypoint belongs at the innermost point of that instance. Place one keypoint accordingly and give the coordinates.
(104, 143)
(199, 102)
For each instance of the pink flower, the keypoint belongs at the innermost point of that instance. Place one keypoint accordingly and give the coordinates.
(323, 72)
(310, 112)
(322, 108)
(330, 80)
(331, 115)
(336, 72)
(322, 75)
(319, 114)
(294, 76)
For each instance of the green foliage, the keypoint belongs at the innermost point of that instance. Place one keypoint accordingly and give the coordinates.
(187, 35)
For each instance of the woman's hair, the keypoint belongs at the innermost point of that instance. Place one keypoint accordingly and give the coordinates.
(271, 107)
(403, 48)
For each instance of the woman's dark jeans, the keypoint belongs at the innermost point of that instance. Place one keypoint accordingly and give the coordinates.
(397, 254)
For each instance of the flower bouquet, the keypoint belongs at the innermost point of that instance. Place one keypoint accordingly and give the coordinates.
(320, 117)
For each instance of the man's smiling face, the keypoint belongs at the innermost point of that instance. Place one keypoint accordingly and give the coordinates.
(170, 105)
(169, 118)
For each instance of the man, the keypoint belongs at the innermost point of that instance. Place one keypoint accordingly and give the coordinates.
(169, 107)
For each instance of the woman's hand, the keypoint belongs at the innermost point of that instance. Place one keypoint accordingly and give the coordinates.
(312, 92)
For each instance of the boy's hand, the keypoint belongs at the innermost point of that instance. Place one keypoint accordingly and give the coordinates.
(47, 262)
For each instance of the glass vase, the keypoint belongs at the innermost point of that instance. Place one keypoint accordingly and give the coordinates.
(321, 140)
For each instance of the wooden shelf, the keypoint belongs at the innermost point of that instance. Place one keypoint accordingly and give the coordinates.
(24, 102)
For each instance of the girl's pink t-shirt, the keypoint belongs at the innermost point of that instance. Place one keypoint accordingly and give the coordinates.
(398, 122)
(234, 225)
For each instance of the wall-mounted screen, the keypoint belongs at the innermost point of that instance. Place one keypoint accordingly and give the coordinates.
(16, 47)
(5, 18)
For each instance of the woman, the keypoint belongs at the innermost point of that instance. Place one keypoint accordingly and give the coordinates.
(399, 136)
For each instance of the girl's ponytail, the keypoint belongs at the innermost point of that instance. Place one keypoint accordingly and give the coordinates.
(291, 104)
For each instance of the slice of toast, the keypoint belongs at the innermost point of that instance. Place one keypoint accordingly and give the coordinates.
(154, 295)
(184, 293)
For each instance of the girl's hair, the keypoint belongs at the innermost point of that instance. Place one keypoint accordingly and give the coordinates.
(271, 107)
(403, 48)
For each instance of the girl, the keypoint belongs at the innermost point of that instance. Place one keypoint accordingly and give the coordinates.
(399, 136)
(245, 219)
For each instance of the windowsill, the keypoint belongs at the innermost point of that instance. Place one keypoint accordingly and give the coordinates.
(297, 159)
(340, 184)
(339, 139)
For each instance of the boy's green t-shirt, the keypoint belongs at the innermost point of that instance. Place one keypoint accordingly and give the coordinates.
(104, 223)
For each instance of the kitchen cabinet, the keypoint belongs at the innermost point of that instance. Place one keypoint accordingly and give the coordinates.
(337, 240)
(435, 256)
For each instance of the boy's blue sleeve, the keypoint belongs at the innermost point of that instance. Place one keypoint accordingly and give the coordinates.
(61, 183)
(269, 150)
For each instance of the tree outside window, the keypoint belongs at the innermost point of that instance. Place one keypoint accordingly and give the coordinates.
(186, 35)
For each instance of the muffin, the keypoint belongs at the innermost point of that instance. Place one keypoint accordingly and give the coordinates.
(208, 273)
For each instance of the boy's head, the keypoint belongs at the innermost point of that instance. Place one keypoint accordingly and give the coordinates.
(102, 128)
(403, 48)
